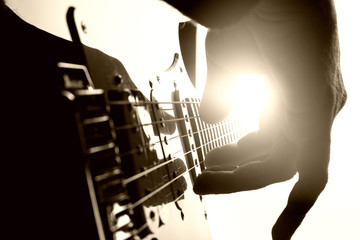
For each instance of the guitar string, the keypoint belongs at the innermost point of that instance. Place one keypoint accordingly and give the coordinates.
(148, 171)
(162, 121)
(143, 103)
(208, 130)
(151, 194)
(136, 176)
(214, 127)
(129, 126)
(224, 123)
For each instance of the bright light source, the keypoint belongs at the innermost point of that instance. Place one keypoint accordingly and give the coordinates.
(249, 97)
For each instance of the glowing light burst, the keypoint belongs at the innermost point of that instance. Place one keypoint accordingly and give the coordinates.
(249, 96)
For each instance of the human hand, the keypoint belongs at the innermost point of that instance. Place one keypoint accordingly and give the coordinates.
(295, 45)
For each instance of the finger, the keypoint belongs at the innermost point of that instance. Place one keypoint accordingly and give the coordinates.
(254, 144)
(214, 182)
(251, 176)
(252, 147)
(226, 155)
(278, 166)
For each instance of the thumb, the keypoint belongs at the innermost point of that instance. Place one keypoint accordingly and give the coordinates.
(214, 182)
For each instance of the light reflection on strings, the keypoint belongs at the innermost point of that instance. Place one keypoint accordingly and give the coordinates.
(212, 136)
(143, 173)
(214, 127)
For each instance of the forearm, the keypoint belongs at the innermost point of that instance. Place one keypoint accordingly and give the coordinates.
(302, 197)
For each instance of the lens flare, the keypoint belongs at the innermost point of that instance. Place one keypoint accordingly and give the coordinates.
(249, 96)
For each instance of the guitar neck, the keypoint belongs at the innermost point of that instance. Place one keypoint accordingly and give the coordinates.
(199, 137)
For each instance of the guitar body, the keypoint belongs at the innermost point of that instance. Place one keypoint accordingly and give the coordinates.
(114, 146)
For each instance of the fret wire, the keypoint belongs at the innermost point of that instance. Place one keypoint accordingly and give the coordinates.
(129, 126)
(167, 121)
(218, 133)
(222, 133)
(221, 142)
(186, 153)
(207, 134)
(213, 140)
(203, 125)
(133, 151)
(227, 130)
(148, 196)
(218, 129)
(205, 130)
(199, 125)
(229, 127)
(211, 137)
(214, 133)
(138, 175)
(209, 142)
